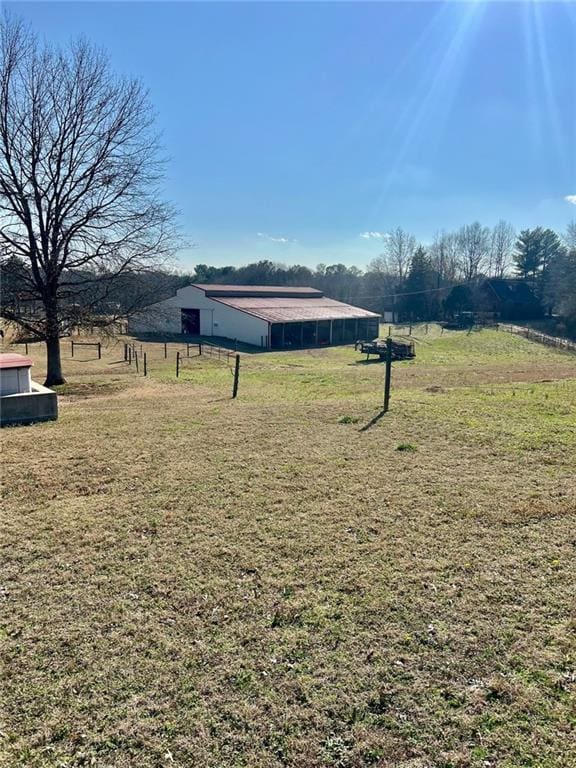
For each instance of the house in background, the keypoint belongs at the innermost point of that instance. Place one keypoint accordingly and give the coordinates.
(262, 315)
(509, 299)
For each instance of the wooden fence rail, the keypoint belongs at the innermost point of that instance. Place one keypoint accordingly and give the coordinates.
(542, 338)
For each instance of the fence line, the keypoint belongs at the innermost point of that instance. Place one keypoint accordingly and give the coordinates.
(542, 338)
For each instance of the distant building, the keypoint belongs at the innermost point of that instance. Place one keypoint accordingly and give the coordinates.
(509, 299)
(263, 315)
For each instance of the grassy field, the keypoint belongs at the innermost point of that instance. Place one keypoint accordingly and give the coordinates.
(293, 578)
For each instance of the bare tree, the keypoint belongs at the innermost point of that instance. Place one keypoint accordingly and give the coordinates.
(399, 247)
(569, 237)
(474, 249)
(444, 255)
(501, 248)
(79, 187)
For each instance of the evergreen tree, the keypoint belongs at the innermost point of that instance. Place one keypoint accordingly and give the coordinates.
(420, 300)
(528, 255)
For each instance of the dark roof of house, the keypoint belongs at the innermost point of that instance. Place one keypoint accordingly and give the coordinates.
(516, 291)
(272, 291)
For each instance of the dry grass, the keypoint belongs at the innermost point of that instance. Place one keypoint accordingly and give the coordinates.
(192, 581)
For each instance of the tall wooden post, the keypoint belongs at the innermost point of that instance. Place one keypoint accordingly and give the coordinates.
(177, 364)
(388, 374)
(125, 352)
(136, 361)
(99, 351)
(71, 343)
(145, 366)
(236, 376)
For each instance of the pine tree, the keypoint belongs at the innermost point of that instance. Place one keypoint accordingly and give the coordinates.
(421, 300)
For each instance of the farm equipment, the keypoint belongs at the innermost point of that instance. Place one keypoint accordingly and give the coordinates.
(401, 350)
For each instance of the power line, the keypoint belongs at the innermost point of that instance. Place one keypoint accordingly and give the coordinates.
(411, 293)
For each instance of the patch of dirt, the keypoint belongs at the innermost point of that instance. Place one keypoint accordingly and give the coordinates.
(83, 390)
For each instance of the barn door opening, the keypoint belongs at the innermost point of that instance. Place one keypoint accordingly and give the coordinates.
(191, 322)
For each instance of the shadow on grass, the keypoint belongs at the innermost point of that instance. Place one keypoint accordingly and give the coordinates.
(373, 421)
(370, 361)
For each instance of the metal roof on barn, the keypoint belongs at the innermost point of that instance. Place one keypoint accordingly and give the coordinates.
(246, 291)
(292, 310)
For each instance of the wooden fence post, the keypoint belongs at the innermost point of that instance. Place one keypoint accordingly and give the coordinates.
(136, 361)
(236, 376)
(388, 374)
(177, 364)
(200, 348)
(125, 352)
(145, 366)
(71, 344)
(99, 351)
(389, 330)
(165, 351)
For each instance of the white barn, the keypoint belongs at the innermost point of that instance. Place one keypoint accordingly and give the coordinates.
(263, 315)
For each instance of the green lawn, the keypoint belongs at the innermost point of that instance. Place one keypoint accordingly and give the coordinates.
(294, 578)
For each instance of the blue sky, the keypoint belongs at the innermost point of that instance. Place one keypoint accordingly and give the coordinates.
(293, 128)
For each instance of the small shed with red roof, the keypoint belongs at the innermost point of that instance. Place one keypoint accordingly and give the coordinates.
(15, 375)
(23, 401)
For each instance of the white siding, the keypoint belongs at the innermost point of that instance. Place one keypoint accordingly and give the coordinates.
(14, 381)
(216, 319)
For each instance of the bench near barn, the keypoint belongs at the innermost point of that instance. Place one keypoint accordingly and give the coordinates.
(23, 401)
(401, 350)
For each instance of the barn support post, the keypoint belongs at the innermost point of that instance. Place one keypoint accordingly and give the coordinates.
(236, 376)
(388, 374)
(125, 352)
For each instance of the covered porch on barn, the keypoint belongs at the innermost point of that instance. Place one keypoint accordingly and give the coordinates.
(320, 333)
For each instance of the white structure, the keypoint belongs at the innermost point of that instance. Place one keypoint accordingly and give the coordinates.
(15, 374)
(23, 401)
(262, 315)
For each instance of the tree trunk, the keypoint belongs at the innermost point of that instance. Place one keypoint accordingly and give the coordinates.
(54, 364)
(54, 374)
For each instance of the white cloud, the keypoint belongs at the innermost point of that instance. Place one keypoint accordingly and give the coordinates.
(272, 239)
(374, 235)
(570, 199)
